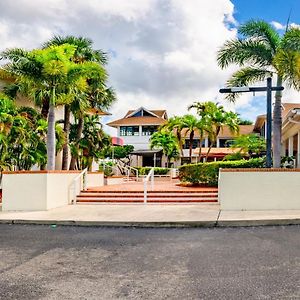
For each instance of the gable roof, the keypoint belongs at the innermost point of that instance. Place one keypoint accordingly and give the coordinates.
(157, 117)
(286, 108)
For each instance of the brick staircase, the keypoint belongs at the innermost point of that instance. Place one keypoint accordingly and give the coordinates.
(171, 196)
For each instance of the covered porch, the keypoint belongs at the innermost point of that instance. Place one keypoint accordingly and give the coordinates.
(147, 158)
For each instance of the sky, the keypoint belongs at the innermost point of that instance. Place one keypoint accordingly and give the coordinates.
(162, 53)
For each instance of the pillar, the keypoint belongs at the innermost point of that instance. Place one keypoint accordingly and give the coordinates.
(291, 145)
(206, 142)
(298, 150)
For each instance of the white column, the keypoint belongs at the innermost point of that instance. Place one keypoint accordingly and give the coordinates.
(291, 145)
(218, 143)
(140, 130)
(206, 142)
(298, 150)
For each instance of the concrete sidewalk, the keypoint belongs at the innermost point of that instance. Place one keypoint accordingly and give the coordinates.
(151, 215)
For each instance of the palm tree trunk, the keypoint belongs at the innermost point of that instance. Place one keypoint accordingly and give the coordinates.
(277, 123)
(200, 151)
(78, 137)
(65, 154)
(180, 143)
(191, 143)
(51, 138)
(45, 108)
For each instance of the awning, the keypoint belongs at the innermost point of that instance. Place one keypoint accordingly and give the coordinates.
(116, 141)
(146, 152)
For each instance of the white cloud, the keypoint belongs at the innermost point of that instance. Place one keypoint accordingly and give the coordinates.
(162, 52)
(278, 25)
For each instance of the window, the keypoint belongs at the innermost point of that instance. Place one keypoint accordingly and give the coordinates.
(148, 130)
(196, 144)
(224, 143)
(129, 130)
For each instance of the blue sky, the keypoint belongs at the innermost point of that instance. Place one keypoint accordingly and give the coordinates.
(269, 10)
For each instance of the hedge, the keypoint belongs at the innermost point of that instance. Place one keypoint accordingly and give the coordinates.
(157, 171)
(208, 173)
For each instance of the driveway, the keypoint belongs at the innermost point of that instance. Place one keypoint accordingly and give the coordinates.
(48, 262)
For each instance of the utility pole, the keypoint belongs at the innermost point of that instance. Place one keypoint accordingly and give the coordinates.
(269, 88)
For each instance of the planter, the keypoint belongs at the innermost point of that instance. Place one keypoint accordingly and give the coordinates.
(36, 190)
(95, 179)
(259, 189)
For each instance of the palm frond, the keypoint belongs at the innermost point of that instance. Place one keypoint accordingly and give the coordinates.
(244, 77)
(241, 52)
(287, 64)
(291, 40)
(262, 31)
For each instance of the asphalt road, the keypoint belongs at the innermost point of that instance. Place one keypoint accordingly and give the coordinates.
(41, 262)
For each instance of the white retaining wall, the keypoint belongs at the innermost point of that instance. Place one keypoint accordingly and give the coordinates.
(40, 190)
(259, 189)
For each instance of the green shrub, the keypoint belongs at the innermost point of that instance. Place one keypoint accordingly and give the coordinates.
(157, 171)
(208, 173)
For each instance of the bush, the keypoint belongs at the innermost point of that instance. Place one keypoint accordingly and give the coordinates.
(157, 171)
(208, 173)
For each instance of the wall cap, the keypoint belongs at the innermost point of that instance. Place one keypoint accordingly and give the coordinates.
(41, 172)
(259, 170)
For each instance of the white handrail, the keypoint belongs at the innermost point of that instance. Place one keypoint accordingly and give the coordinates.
(135, 170)
(74, 185)
(150, 176)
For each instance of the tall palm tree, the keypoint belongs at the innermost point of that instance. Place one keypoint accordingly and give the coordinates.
(255, 51)
(216, 118)
(50, 72)
(84, 52)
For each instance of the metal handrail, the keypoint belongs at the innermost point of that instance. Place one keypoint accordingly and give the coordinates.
(82, 185)
(135, 170)
(126, 169)
(150, 176)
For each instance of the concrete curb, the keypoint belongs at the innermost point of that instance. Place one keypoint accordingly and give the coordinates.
(179, 224)
(245, 223)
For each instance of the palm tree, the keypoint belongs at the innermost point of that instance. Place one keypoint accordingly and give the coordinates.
(191, 125)
(50, 72)
(175, 124)
(216, 118)
(167, 142)
(84, 52)
(256, 52)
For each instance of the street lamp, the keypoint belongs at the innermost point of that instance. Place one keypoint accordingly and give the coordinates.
(269, 88)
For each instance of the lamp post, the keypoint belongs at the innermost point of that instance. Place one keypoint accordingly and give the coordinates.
(269, 88)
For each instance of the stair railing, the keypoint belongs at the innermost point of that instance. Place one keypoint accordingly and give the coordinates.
(78, 184)
(150, 177)
(128, 169)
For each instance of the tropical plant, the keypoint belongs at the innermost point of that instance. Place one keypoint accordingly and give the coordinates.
(91, 144)
(51, 73)
(175, 124)
(167, 142)
(244, 122)
(261, 52)
(22, 136)
(250, 144)
(216, 118)
(191, 125)
(82, 101)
